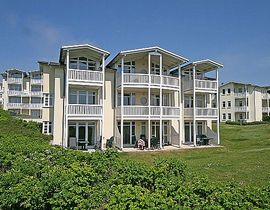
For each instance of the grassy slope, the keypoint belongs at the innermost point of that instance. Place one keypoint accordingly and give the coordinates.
(244, 158)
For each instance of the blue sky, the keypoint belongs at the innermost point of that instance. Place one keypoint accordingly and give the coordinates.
(233, 32)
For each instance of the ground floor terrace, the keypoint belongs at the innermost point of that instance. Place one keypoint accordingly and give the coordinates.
(165, 133)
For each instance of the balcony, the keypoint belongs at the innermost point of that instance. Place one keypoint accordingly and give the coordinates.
(36, 81)
(239, 95)
(24, 106)
(142, 80)
(85, 110)
(143, 112)
(200, 85)
(266, 95)
(36, 93)
(14, 80)
(201, 112)
(241, 108)
(24, 93)
(265, 109)
(85, 76)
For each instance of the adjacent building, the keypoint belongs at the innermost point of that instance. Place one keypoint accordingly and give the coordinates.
(142, 93)
(244, 102)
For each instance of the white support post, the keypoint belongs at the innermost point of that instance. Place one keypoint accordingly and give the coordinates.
(246, 102)
(149, 100)
(160, 103)
(194, 106)
(122, 103)
(218, 136)
(65, 143)
(180, 105)
(103, 100)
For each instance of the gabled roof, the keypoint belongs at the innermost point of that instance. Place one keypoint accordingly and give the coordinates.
(81, 47)
(175, 57)
(203, 65)
(241, 83)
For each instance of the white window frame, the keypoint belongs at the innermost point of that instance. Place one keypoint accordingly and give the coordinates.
(47, 128)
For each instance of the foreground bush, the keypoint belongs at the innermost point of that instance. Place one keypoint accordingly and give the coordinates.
(35, 175)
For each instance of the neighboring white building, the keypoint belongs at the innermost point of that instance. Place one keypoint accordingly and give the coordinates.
(145, 92)
(243, 102)
(22, 93)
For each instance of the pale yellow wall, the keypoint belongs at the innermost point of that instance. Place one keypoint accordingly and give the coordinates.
(109, 122)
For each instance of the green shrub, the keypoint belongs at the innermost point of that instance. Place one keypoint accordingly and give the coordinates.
(36, 175)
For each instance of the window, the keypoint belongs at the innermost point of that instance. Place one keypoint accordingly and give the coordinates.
(36, 100)
(229, 91)
(240, 103)
(91, 98)
(72, 98)
(129, 67)
(36, 88)
(82, 97)
(143, 128)
(36, 113)
(247, 115)
(188, 101)
(229, 104)
(229, 116)
(223, 91)
(223, 104)
(155, 69)
(129, 99)
(224, 116)
(16, 87)
(247, 101)
(47, 127)
(240, 90)
(82, 63)
(15, 100)
(47, 100)
(155, 100)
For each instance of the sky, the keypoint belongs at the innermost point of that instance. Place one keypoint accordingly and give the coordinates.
(235, 33)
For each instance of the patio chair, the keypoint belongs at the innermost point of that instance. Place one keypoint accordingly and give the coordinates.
(73, 143)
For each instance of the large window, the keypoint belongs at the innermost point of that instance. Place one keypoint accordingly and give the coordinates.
(129, 67)
(36, 88)
(16, 87)
(82, 97)
(36, 113)
(82, 63)
(36, 100)
(223, 104)
(155, 69)
(14, 99)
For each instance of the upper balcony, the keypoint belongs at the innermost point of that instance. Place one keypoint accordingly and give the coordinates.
(24, 106)
(241, 109)
(85, 64)
(14, 80)
(85, 77)
(201, 112)
(145, 80)
(147, 67)
(143, 112)
(202, 81)
(239, 95)
(25, 93)
(85, 111)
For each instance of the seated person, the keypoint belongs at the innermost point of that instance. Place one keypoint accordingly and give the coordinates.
(141, 144)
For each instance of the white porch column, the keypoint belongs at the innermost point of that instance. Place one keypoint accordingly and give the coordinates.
(218, 136)
(103, 99)
(122, 103)
(246, 102)
(180, 105)
(194, 105)
(160, 103)
(65, 143)
(149, 100)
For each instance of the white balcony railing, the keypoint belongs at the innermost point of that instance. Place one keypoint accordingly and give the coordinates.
(36, 93)
(143, 111)
(240, 95)
(85, 109)
(24, 93)
(241, 108)
(24, 105)
(143, 79)
(266, 95)
(200, 84)
(14, 80)
(15, 92)
(85, 76)
(36, 81)
(201, 112)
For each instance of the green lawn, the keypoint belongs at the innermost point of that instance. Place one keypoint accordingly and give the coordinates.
(245, 157)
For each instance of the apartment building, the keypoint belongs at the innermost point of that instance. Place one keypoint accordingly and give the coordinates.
(22, 93)
(142, 93)
(244, 102)
(1, 95)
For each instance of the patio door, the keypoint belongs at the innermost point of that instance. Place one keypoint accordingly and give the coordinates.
(188, 132)
(91, 137)
(129, 137)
